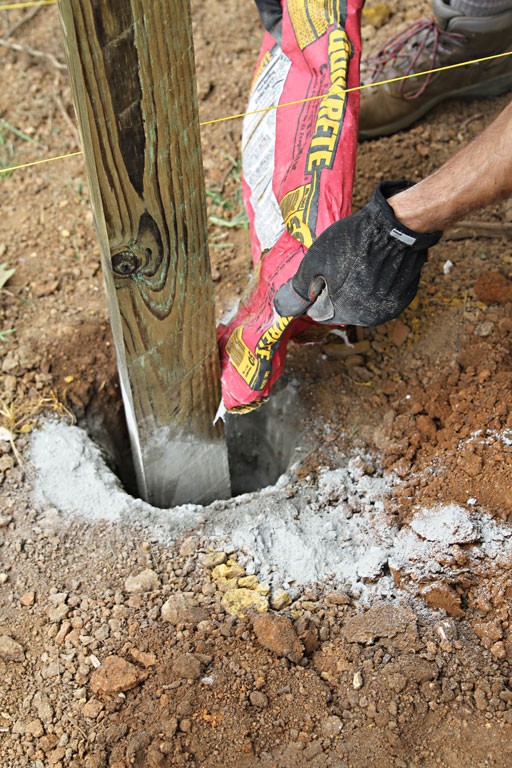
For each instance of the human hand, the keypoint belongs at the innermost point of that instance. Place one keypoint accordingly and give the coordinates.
(362, 270)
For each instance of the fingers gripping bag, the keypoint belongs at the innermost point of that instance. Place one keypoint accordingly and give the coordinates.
(298, 166)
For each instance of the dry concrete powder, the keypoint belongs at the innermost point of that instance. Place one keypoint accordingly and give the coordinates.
(337, 530)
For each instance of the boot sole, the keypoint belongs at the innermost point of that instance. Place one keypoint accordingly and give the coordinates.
(495, 87)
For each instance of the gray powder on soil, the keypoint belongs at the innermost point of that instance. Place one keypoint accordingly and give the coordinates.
(337, 531)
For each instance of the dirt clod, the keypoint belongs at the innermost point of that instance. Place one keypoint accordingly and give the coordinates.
(10, 649)
(276, 633)
(493, 287)
(115, 675)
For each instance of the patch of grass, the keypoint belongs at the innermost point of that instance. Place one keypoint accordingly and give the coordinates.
(230, 202)
(238, 221)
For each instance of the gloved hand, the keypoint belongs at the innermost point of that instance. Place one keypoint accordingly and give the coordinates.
(362, 270)
(271, 12)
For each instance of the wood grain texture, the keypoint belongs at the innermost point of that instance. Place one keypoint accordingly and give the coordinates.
(132, 72)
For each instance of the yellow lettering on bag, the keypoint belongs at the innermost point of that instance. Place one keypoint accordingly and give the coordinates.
(329, 119)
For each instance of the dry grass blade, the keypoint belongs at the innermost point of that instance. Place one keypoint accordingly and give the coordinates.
(20, 416)
(5, 274)
(24, 20)
(36, 54)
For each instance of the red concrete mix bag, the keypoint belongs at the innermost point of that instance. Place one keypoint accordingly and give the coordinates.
(298, 171)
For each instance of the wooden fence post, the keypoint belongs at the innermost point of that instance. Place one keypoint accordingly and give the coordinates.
(132, 72)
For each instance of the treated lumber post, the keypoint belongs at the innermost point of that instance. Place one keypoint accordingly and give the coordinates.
(132, 73)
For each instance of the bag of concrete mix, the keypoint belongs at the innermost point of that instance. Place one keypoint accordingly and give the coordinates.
(298, 169)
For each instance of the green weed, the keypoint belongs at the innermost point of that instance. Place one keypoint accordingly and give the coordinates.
(223, 196)
(4, 335)
(8, 134)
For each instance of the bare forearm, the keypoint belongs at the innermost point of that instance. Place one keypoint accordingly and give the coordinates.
(478, 175)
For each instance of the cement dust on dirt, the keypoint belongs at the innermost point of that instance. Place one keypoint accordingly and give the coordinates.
(289, 535)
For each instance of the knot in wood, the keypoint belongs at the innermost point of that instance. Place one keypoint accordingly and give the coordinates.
(125, 263)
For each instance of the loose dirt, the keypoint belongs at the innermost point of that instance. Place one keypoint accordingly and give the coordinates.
(356, 613)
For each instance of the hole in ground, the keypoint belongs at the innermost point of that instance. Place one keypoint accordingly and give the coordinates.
(261, 444)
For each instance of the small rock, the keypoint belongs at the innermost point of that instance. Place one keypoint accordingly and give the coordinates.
(4, 577)
(493, 287)
(187, 666)
(189, 546)
(45, 289)
(446, 630)
(92, 709)
(5, 520)
(58, 613)
(47, 743)
(357, 681)
(310, 641)
(28, 599)
(484, 329)
(41, 704)
(450, 524)
(242, 602)
(280, 599)
(338, 598)
(313, 750)
(248, 582)
(57, 598)
(480, 699)
(228, 571)
(377, 14)
(331, 726)
(499, 650)
(63, 632)
(258, 699)
(381, 620)
(55, 757)
(50, 670)
(10, 362)
(146, 581)
(400, 333)
(371, 565)
(213, 559)
(34, 728)
(182, 609)
(142, 658)
(6, 462)
(442, 595)
(10, 650)
(103, 632)
(115, 675)
(277, 634)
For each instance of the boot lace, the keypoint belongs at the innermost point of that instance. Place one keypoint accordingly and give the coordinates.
(414, 49)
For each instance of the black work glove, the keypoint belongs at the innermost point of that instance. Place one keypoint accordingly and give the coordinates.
(362, 270)
(271, 12)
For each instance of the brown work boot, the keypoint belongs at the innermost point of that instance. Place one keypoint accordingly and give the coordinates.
(449, 38)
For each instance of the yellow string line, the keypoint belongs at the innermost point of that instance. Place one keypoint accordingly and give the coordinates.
(356, 88)
(39, 162)
(12, 6)
(291, 103)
